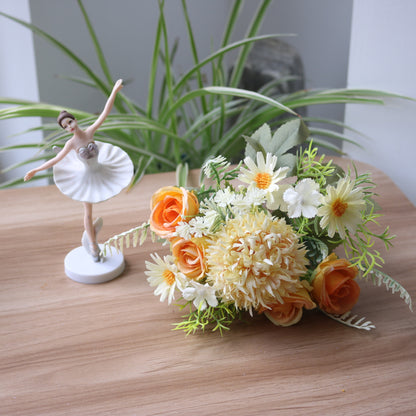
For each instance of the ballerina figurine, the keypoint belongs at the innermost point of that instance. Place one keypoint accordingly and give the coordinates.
(89, 171)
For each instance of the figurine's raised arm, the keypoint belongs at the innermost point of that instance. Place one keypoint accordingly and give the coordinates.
(66, 149)
(108, 106)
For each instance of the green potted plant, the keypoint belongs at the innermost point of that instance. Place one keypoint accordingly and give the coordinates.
(190, 120)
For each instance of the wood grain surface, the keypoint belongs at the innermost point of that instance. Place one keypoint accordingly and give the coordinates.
(73, 349)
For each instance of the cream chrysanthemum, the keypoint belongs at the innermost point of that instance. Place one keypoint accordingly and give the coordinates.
(341, 207)
(164, 274)
(255, 260)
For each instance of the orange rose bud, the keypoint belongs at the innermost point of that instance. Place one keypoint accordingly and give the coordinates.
(334, 287)
(290, 312)
(169, 206)
(190, 257)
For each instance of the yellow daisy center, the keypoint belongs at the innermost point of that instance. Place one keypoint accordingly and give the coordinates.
(263, 180)
(339, 207)
(168, 277)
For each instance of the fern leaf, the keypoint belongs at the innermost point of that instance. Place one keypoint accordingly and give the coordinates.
(122, 240)
(352, 320)
(143, 236)
(381, 278)
(136, 238)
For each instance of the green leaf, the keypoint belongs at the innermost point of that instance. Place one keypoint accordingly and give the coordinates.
(182, 171)
(286, 137)
(239, 92)
(98, 50)
(287, 160)
(289, 135)
(98, 82)
(252, 30)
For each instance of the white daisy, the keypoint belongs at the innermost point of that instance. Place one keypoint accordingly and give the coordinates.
(164, 274)
(262, 174)
(200, 294)
(341, 207)
(303, 199)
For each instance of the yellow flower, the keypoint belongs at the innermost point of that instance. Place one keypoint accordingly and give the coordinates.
(262, 175)
(341, 208)
(255, 260)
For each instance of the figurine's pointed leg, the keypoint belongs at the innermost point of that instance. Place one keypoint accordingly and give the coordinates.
(91, 234)
(89, 247)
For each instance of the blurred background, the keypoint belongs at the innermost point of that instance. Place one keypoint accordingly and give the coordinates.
(349, 43)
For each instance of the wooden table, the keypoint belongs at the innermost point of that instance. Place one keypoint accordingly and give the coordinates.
(74, 349)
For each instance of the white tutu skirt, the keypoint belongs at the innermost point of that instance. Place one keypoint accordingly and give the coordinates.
(96, 179)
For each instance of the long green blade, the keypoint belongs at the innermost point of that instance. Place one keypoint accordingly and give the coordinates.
(98, 82)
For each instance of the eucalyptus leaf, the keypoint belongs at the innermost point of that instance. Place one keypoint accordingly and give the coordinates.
(289, 135)
(287, 160)
(286, 137)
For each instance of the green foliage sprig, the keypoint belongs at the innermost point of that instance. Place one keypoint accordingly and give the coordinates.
(216, 319)
(359, 246)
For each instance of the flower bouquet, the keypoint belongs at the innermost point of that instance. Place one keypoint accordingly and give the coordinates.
(259, 238)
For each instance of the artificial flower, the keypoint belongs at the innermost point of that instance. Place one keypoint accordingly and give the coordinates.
(245, 201)
(165, 276)
(200, 294)
(169, 206)
(341, 207)
(224, 197)
(254, 260)
(291, 310)
(303, 199)
(262, 175)
(210, 165)
(334, 287)
(255, 246)
(190, 256)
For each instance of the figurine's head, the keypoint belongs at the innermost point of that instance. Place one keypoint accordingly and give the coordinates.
(67, 121)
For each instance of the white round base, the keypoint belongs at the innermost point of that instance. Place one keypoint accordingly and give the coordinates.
(80, 266)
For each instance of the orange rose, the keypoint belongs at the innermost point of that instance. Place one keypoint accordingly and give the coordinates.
(334, 287)
(190, 257)
(290, 311)
(171, 205)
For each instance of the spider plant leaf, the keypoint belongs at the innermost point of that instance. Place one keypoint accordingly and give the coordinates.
(194, 52)
(29, 109)
(218, 54)
(182, 172)
(252, 30)
(334, 135)
(97, 47)
(64, 49)
(153, 68)
(141, 168)
(251, 95)
(16, 182)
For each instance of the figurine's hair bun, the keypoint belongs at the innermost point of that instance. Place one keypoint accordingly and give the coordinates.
(62, 115)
